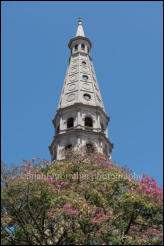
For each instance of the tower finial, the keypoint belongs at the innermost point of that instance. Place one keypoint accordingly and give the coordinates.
(80, 31)
(80, 21)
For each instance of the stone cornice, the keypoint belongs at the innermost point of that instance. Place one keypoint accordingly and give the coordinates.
(80, 105)
(80, 52)
(76, 130)
(79, 37)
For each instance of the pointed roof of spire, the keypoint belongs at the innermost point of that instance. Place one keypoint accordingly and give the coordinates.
(79, 34)
(80, 31)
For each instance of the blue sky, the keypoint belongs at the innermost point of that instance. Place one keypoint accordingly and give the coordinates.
(127, 56)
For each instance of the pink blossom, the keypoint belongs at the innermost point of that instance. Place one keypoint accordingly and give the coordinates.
(109, 157)
(144, 236)
(109, 227)
(94, 221)
(149, 187)
(90, 171)
(51, 212)
(11, 178)
(111, 163)
(50, 180)
(57, 181)
(98, 215)
(7, 189)
(92, 211)
(23, 165)
(133, 228)
(26, 170)
(67, 205)
(30, 163)
(46, 162)
(103, 189)
(36, 170)
(20, 178)
(101, 210)
(64, 183)
(69, 210)
(76, 177)
(72, 211)
(75, 212)
(85, 205)
(58, 186)
(138, 180)
(58, 205)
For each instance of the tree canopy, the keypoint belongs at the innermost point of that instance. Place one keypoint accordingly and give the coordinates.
(84, 200)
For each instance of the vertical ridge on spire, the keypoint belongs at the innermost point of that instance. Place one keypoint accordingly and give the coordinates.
(80, 31)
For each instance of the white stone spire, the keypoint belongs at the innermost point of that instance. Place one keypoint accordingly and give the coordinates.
(80, 119)
(80, 31)
(80, 84)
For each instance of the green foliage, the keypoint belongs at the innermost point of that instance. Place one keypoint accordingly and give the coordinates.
(83, 200)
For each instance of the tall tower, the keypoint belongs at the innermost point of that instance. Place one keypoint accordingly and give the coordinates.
(80, 119)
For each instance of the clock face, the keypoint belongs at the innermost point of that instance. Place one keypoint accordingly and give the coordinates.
(87, 97)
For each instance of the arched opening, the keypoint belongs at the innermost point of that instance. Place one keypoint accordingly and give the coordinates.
(105, 150)
(102, 127)
(68, 147)
(70, 122)
(84, 62)
(76, 47)
(54, 154)
(68, 151)
(88, 122)
(85, 77)
(83, 46)
(58, 129)
(89, 148)
(87, 97)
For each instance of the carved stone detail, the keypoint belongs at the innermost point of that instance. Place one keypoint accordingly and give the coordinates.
(86, 86)
(70, 97)
(73, 77)
(71, 87)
